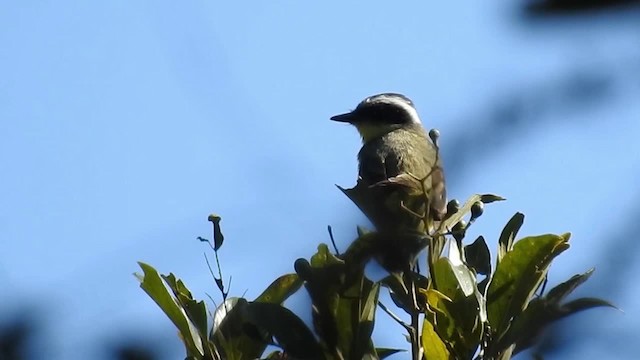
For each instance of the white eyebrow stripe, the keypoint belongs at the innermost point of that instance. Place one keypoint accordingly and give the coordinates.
(415, 118)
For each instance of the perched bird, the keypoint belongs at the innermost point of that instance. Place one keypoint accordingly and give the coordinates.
(396, 151)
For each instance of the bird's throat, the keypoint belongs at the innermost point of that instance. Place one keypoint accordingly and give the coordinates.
(370, 132)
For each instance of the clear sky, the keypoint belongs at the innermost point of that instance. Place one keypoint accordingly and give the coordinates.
(124, 124)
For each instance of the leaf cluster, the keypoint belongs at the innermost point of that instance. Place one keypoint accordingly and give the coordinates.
(461, 308)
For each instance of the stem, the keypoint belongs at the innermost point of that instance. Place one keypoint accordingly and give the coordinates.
(394, 317)
(333, 241)
(415, 320)
(224, 294)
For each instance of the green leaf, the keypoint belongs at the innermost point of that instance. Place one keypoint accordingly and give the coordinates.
(525, 327)
(354, 318)
(290, 332)
(434, 348)
(582, 304)
(460, 316)
(228, 309)
(367, 321)
(361, 249)
(400, 295)
(439, 315)
(196, 310)
(324, 257)
(518, 275)
(489, 198)
(543, 311)
(339, 291)
(229, 333)
(280, 289)
(385, 353)
(540, 314)
(369, 311)
(508, 235)
(153, 285)
(322, 285)
(560, 292)
(476, 308)
(451, 221)
(478, 257)
(466, 280)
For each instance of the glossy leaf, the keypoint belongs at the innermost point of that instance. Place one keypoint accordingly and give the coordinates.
(366, 323)
(508, 235)
(229, 333)
(385, 353)
(518, 275)
(582, 304)
(324, 257)
(153, 285)
(225, 309)
(540, 313)
(322, 286)
(196, 310)
(361, 249)
(355, 314)
(433, 346)
(466, 279)
(280, 289)
(290, 332)
(339, 293)
(489, 198)
(478, 257)
(438, 313)
(400, 295)
(458, 319)
(560, 292)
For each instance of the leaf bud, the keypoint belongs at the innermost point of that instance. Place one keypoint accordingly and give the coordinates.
(476, 210)
(434, 135)
(453, 206)
(458, 230)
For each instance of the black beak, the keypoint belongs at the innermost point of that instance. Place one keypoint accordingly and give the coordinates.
(346, 117)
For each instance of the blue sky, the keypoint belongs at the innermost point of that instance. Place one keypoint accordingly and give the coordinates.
(123, 125)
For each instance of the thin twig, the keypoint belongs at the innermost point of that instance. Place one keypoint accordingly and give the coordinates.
(209, 265)
(333, 241)
(224, 294)
(415, 319)
(405, 208)
(395, 317)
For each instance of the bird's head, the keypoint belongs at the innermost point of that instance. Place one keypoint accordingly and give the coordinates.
(380, 114)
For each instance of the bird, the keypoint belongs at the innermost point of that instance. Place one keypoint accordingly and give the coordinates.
(401, 185)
